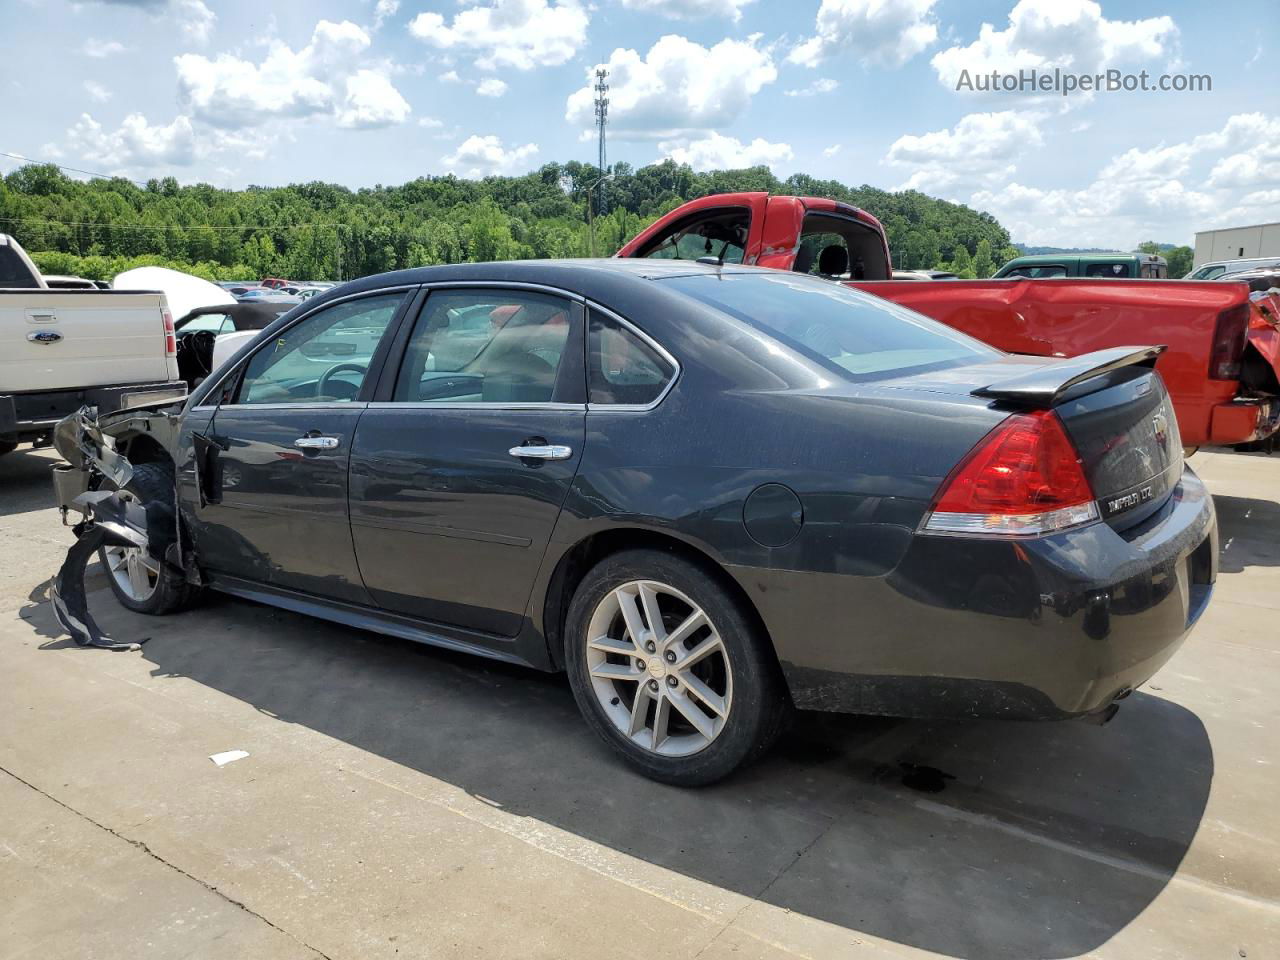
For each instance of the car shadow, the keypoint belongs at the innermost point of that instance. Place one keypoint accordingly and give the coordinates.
(971, 839)
(25, 483)
(1249, 533)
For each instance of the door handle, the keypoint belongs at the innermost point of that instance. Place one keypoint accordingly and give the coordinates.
(316, 443)
(547, 451)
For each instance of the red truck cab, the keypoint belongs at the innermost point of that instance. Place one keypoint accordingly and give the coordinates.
(1223, 344)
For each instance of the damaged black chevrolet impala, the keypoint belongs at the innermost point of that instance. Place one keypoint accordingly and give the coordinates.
(709, 494)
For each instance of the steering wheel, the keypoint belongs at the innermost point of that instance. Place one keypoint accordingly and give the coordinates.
(323, 383)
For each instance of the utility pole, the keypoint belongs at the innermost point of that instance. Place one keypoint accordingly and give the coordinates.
(602, 119)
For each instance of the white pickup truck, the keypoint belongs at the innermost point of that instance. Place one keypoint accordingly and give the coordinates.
(61, 349)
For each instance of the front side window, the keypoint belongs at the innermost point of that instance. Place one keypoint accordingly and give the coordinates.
(486, 346)
(852, 333)
(1051, 270)
(323, 358)
(621, 367)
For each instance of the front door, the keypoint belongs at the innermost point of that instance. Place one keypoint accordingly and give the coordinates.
(458, 474)
(275, 478)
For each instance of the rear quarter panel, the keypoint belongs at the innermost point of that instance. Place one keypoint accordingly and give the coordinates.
(1071, 317)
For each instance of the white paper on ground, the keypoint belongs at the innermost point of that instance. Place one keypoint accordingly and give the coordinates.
(222, 759)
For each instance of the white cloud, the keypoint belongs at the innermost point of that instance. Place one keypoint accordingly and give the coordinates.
(371, 101)
(872, 31)
(979, 150)
(479, 156)
(690, 9)
(491, 87)
(1166, 192)
(718, 152)
(193, 17)
(102, 48)
(1071, 34)
(136, 144)
(383, 11)
(678, 89)
(832, 150)
(324, 78)
(821, 85)
(430, 123)
(509, 33)
(97, 92)
(450, 76)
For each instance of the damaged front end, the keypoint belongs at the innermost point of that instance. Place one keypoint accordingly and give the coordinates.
(94, 483)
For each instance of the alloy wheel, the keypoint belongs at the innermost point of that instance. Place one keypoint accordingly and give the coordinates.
(659, 668)
(136, 573)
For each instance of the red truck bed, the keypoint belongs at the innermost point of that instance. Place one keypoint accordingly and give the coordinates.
(1065, 318)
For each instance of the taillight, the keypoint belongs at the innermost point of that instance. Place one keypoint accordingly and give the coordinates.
(170, 337)
(1229, 336)
(1023, 479)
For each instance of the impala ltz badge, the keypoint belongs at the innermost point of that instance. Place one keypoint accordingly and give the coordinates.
(44, 336)
(1130, 500)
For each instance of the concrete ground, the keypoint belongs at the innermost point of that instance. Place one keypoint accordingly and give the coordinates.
(402, 801)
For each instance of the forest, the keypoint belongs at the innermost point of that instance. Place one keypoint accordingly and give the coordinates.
(321, 231)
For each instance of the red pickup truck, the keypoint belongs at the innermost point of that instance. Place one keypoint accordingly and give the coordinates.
(1223, 357)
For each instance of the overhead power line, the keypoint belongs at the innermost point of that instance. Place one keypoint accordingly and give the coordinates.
(60, 166)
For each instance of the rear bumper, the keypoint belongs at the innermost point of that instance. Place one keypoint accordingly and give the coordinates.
(1032, 629)
(1242, 421)
(30, 416)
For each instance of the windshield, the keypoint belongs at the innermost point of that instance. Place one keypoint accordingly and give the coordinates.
(859, 336)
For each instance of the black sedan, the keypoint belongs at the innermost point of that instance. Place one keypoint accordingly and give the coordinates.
(710, 494)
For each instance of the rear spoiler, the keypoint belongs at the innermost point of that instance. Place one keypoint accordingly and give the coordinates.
(1045, 386)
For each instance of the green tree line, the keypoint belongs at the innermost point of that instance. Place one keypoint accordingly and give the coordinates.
(322, 231)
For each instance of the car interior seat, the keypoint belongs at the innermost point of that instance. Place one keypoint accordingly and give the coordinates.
(833, 261)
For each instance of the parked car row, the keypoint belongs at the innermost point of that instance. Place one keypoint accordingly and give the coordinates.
(274, 289)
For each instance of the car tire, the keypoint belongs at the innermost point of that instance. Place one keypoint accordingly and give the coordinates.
(724, 664)
(140, 582)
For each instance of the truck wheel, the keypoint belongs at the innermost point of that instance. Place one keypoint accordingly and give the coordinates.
(669, 670)
(7, 446)
(139, 581)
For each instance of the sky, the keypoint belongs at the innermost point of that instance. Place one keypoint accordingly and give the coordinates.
(365, 92)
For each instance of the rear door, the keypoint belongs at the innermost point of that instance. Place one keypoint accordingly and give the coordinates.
(460, 466)
(274, 476)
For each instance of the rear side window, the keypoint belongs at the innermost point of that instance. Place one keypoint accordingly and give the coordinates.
(622, 368)
(856, 335)
(1111, 271)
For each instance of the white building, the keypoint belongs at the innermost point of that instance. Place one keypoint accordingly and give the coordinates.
(1236, 243)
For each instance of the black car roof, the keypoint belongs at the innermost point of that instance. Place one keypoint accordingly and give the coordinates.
(590, 278)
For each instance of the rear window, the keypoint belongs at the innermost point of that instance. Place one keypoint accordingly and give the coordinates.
(14, 271)
(859, 336)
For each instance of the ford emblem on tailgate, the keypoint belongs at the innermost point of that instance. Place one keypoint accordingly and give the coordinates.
(44, 336)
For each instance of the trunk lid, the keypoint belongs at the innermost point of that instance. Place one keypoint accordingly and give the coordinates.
(1127, 437)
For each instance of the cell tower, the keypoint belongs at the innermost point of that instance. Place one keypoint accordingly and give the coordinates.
(602, 119)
